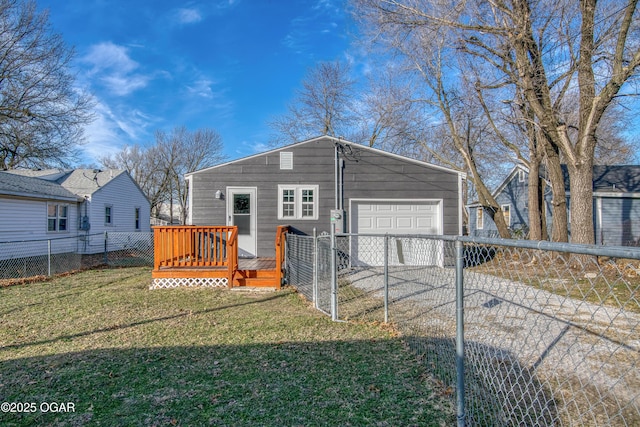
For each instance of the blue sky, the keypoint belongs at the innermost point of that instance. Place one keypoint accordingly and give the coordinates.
(230, 65)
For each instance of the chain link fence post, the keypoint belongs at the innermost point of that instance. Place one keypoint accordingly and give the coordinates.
(334, 277)
(460, 413)
(106, 257)
(49, 257)
(315, 268)
(386, 278)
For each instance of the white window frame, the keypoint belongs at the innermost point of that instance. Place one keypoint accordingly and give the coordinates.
(298, 202)
(110, 222)
(58, 218)
(507, 219)
(520, 175)
(480, 218)
(136, 218)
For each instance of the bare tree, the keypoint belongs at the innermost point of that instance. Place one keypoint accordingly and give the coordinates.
(182, 151)
(160, 168)
(324, 106)
(554, 52)
(450, 104)
(145, 167)
(41, 113)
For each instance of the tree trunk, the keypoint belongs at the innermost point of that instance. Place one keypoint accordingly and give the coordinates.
(535, 224)
(582, 230)
(560, 223)
(543, 209)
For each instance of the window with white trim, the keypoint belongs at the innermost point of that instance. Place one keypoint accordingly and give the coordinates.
(57, 217)
(506, 211)
(297, 202)
(137, 218)
(108, 215)
(520, 175)
(480, 218)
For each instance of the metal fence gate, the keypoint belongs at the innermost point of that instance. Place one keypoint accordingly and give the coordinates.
(527, 333)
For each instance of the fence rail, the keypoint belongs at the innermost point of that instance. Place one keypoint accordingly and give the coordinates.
(25, 259)
(527, 333)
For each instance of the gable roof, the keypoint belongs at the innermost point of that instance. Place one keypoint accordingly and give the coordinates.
(81, 182)
(85, 182)
(26, 186)
(335, 141)
(613, 178)
(606, 179)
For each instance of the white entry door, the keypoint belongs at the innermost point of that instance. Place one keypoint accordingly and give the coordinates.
(241, 212)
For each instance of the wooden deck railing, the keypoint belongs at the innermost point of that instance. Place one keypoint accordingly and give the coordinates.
(188, 252)
(192, 246)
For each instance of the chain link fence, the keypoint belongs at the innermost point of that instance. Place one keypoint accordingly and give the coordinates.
(522, 333)
(27, 259)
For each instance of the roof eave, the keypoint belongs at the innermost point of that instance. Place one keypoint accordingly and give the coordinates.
(463, 175)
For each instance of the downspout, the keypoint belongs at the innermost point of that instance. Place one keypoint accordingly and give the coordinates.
(341, 178)
(335, 167)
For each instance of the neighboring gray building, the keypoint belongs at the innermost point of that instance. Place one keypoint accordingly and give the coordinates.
(616, 205)
(308, 185)
(512, 196)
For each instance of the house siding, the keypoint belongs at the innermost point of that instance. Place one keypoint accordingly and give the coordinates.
(123, 195)
(367, 175)
(513, 193)
(616, 206)
(619, 221)
(23, 220)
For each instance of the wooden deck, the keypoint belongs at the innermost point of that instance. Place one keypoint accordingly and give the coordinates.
(208, 256)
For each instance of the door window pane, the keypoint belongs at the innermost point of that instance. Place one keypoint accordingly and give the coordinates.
(241, 204)
(243, 222)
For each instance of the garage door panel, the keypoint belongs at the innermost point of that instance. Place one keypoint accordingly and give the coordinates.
(405, 223)
(365, 223)
(426, 208)
(426, 223)
(384, 223)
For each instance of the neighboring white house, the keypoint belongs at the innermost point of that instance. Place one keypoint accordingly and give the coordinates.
(79, 204)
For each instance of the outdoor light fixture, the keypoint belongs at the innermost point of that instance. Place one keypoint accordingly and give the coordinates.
(219, 195)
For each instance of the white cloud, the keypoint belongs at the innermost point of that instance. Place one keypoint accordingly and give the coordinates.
(111, 130)
(124, 85)
(109, 56)
(188, 16)
(201, 87)
(113, 67)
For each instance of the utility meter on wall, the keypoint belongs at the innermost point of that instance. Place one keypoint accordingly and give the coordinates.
(337, 220)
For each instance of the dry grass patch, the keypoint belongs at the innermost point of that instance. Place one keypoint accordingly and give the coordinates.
(129, 356)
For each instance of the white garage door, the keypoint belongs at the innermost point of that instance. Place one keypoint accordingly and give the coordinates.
(396, 218)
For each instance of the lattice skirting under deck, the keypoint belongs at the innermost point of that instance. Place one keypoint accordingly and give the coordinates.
(176, 282)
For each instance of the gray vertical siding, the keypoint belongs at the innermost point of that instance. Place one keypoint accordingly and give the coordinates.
(619, 221)
(367, 174)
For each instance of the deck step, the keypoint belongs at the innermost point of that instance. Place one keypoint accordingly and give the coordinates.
(256, 278)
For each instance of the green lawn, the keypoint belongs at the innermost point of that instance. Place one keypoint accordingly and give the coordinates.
(124, 355)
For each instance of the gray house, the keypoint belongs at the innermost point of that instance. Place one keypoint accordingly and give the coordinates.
(321, 183)
(616, 205)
